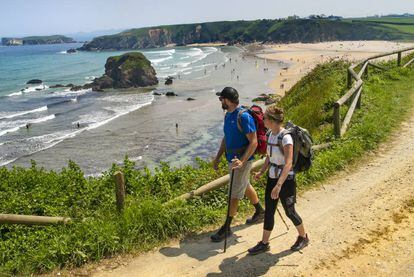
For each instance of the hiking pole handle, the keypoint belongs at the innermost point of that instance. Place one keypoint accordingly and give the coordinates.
(287, 226)
(228, 209)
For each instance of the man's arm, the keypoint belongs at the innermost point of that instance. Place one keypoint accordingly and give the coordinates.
(221, 149)
(251, 148)
(219, 154)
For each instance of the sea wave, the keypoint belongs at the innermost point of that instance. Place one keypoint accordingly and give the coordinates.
(162, 52)
(64, 101)
(68, 92)
(160, 60)
(29, 89)
(32, 145)
(20, 113)
(14, 126)
(15, 94)
(117, 111)
(34, 88)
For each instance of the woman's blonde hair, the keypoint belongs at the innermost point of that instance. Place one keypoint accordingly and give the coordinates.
(275, 113)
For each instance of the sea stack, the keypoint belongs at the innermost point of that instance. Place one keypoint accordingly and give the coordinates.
(130, 70)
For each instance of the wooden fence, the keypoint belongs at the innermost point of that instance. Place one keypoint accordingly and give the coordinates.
(355, 84)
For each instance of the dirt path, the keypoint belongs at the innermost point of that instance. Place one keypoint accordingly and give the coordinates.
(360, 223)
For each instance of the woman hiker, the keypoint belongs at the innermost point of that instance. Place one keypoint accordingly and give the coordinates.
(281, 181)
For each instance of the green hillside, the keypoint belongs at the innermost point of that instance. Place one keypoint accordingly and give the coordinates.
(265, 30)
(400, 24)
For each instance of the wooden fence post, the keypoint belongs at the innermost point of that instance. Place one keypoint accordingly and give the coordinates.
(349, 78)
(337, 120)
(120, 190)
(358, 104)
(399, 59)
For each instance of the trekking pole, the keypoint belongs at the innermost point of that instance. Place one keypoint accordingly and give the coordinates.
(287, 226)
(228, 210)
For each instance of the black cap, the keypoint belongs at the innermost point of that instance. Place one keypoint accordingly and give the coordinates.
(229, 93)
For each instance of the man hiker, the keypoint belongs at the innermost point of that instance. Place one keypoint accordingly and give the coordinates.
(281, 181)
(239, 148)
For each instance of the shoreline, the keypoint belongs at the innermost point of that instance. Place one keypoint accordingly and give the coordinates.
(304, 57)
(137, 134)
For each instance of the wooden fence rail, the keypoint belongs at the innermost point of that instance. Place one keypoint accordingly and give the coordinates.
(355, 84)
(32, 219)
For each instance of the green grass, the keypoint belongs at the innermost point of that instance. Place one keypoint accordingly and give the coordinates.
(400, 24)
(99, 231)
(387, 99)
(409, 29)
(131, 60)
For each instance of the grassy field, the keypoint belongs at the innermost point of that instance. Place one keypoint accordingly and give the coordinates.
(99, 231)
(401, 24)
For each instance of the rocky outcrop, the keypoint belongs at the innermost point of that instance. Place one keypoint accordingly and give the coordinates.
(11, 41)
(145, 38)
(268, 99)
(149, 38)
(71, 51)
(34, 82)
(129, 70)
(55, 39)
(62, 86)
(168, 81)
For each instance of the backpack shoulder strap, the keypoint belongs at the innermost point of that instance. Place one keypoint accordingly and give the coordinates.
(280, 139)
(239, 115)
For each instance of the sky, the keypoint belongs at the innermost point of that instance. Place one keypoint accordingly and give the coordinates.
(45, 17)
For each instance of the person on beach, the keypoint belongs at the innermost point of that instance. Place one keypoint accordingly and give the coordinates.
(281, 181)
(239, 148)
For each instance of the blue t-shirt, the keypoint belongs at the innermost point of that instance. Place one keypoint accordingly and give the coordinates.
(236, 140)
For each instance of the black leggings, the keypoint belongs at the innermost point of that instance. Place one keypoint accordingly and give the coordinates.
(287, 196)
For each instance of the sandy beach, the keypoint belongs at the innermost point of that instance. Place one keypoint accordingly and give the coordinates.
(302, 58)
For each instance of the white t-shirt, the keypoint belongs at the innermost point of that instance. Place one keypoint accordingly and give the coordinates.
(274, 153)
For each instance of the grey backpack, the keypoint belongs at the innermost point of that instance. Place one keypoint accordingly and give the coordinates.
(302, 146)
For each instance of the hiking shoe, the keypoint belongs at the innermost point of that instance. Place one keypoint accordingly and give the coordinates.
(259, 248)
(256, 218)
(221, 234)
(300, 243)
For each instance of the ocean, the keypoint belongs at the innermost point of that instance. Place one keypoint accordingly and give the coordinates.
(95, 129)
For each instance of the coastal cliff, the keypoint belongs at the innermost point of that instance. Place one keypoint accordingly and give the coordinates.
(55, 39)
(277, 31)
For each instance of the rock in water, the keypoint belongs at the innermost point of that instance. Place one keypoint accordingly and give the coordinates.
(168, 81)
(34, 81)
(71, 51)
(171, 93)
(128, 70)
(103, 82)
